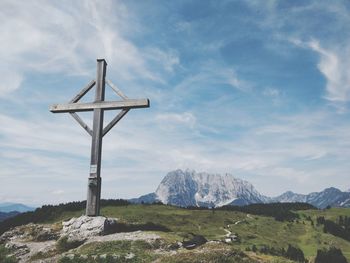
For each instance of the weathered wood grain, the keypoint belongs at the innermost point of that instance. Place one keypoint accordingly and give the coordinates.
(105, 105)
(94, 182)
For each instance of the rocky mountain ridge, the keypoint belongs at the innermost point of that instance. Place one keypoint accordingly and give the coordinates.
(189, 188)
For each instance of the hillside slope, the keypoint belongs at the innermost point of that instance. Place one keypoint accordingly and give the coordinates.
(214, 225)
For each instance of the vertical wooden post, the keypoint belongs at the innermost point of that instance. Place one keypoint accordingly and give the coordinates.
(94, 182)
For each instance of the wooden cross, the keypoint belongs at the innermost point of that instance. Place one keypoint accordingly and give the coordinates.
(97, 132)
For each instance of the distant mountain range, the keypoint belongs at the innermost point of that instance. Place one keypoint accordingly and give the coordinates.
(9, 207)
(188, 188)
(4, 216)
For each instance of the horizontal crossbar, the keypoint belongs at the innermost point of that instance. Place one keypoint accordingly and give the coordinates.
(105, 105)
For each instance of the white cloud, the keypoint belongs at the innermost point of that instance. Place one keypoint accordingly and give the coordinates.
(174, 119)
(66, 37)
(335, 66)
(58, 192)
(10, 81)
(167, 59)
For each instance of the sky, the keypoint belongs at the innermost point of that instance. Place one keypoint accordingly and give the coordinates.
(257, 89)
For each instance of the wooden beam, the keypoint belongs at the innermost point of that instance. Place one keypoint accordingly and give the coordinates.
(104, 105)
(83, 91)
(94, 181)
(81, 122)
(114, 121)
(116, 90)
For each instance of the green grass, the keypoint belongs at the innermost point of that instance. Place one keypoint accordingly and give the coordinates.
(140, 249)
(5, 255)
(252, 230)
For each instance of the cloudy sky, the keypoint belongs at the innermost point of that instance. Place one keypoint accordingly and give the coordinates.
(259, 89)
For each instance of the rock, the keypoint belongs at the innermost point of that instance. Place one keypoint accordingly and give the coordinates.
(194, 242)
(30, 231)
(130, 255)
(175, 246)
(13, 233)
(45, 234)
(83, 227)
(19, 249)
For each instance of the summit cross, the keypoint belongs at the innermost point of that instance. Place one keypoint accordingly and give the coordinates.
(98, 131)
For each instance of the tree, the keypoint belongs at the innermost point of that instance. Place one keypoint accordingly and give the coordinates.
(254, 249)
(295, 253)
(331, 255)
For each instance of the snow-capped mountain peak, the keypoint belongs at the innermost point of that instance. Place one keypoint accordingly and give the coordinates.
(189, 188)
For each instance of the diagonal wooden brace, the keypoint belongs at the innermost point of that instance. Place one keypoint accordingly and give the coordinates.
(83, 91)
(116, 90)
(114, 121)
(81, 122)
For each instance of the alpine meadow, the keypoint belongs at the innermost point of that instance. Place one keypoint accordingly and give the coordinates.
(186, 131)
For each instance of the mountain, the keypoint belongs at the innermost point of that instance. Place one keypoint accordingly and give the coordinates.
(8, 207)
(188, 188)
(4, 216)
(328, 197)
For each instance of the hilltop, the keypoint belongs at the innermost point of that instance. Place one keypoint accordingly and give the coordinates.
(232, 234)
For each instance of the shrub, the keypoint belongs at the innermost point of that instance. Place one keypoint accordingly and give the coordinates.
(331, 255)
(295, 254)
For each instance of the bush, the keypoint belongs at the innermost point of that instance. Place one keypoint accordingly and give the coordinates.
(331, 255)
(340, 229)
(295, 254)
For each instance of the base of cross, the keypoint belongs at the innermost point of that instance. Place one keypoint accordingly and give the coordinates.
(94, 196)
(85, 226)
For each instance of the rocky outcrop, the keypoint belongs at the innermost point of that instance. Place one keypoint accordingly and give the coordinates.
(28, 240)
(30, 232)
(54, 241)
(83, 227)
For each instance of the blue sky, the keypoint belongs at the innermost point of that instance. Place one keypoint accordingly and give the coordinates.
(259, 89)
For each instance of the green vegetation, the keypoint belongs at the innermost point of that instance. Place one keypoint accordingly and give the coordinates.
(292, 253)
(279, 211)
(53, 213)
(262, 235)
(5, 255)
(330, 255)
(341, 228)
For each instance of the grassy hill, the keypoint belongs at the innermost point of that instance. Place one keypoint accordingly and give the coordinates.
(253, 231)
